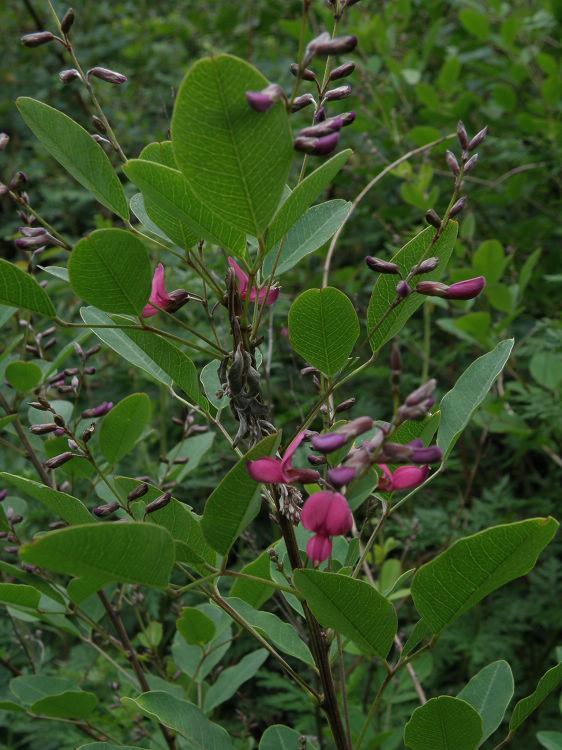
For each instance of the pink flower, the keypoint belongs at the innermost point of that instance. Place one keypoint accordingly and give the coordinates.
(404, 478)
(327, 514)
(269, 297)
(280, 470)
(161, 298)
(468, 289)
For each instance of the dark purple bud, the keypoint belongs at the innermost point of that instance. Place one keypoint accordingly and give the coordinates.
(458, 206)
(41, 405)
(178, 298)
(317, 146)
(452, 162)
(477, 140)
(88, 433)
(331, 441)
(300, 102)
(67, 21)
(427, 265)
(342, 71)
(59, 432)
(19, 179)
(3, 495)
(341, 475)
(418, 411)
(32, 231)
(349, 403)
(356, 427)
(102, 511)
(98, 411)
(403, 289)
(181, 461)
(309, 371)
(43, 429)
(145, 478)
(462, 135)
(431, 455)
(159, 503)
(341, 92)
(433, 218)
(306, 74)
(320, 115)
(421, 393)
(93, 350)
(4, 140)
(395, 359)
(314, 460)
(37, 38)
(396, 452)
(470, 164)
(381, 266)
(468, 289)
(263, 100)
(324, 47)
(431, 288)
(71, 74)
(56, 461)
(139, 491)
(110, 76)
(99, 124)
(89, 370)
(331, 125)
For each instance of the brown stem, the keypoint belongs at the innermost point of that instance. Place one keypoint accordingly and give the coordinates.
(30, 453)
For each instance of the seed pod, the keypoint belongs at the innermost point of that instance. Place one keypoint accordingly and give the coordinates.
(105, 74)
(159, 503)
(462, 135)
(306, 74)
(102, 511)
(470, 164)
(37, 38)
(69, 75)
(341, 92)
(139, 491)
(342, 71)
(478, 138)
(402, 289)
(43, 429)
(56, 461)
(67, 21)
(4, 140)
(458, 206)
(432, 217)
(381, 266)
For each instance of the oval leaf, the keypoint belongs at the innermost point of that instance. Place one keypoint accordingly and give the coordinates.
(20, 289)
(444, 723)
(23, 376)
(279, 737)
(548, 683)
(230, 679)
(124, 425)
(72, 704)
(195, 626)
(69, 508)
(323, 328)
(489, 692)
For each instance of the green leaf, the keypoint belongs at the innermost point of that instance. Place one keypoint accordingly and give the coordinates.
(312, 230)
(279, 737)
(124, 552)
(235, 502)
(253, 592)
(184, 718)
(75, 149)
(323, 328)
(19, 595)
(195, 626)
(23, 376)
(550, 740)
(108, 746)
(20, 289)
(124, 425)
(475, 23)
(473, 567)
(137, 204)
(212, 385)
(490, 260)
(110, 269)
(174, 206)
(303, 196)
(382, 326)
(72, 704)
(240, 172)
(230, 679)
(490, 692)
(444, 723)
(460, 403)
(197, 661)
(548, 683)
(353, 608)
(29, 688)
(546, 369)
(69, 508)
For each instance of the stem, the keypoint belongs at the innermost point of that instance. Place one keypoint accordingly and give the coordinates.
(28, 209)
(26, 444)
(371, 540)
(505, 742)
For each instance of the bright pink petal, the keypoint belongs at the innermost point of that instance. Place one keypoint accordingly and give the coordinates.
(408, 477)
(327, 513)
(339, 519)
(385, 481)
(149, 311)
(158, 295)
(268, 470)
(305, 476)
(319, 548)
(290, 452)
(241, 275)
(269, 297)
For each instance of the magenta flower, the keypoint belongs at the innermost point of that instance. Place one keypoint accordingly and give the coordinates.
(403, 478)
(261, 295)
(170, 302)
(280, 470)
(468, 289)
(327, 514)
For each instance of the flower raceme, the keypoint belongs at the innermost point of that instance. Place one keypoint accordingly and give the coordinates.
(263, 295)
(327, 514)
(160, 299)
(402, 478)
(280, 470)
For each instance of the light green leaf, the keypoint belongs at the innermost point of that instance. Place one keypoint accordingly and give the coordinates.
(110, 269)
(460, 403)
(382, 326)
(23, 376)
(198, 661)
(310, 232)
(303, 196)
(69, 508)
(124, 552)
(323, 328)
(75, 149)
(240, 172)
(490, 261)
(230, 679)
(444, 723)
(124, 425)
(279, 737)
(546, 369)
(253, 592)
(108, 746)
(20, 289)
(548, 683)
(473, 567)
(19, 595)
(29, 688)
(353, 608)
(195, 626)
(184, 718)
(235, 502)
(212, 385)
(138, 208)
(72, 704)
(489, 692)
(475, 22)
(550, 740)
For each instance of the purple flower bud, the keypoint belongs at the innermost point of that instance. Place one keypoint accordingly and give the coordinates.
(19, 179)
(470, 164)
(341, 475)
(356, 427)
(324, 47)
(320, 115)
(43, 429)
(331, 441)
(67, 21)
(477, 140)
(421, 393)
(66, 76)
(468, 289)
(3, 495)
(381, 266)
(427, 265)
(396, 452)
(178, 298)
(462, 135)
(159, 503)
(431, 455)
(32, 231)
(316, 460)
(105, 510)
(139, 491)
(110, 76)
(432, 217)
(306, 74)
(309, 370)
(37, 38)
(403, 289)
(349, 403)
(342, 71)
(261, 101)
(317, 146)
(3, 189)
(59, 432)
(98, 411)
(331, 125)
(56, 461)
(418, 411)
(452, 162)
(300, 102)
(341, 92)
(4, 140)
(431, 288)
(458, 206)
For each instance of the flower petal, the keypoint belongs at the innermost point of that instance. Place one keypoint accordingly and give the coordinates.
(319, 548)
(268, 470)
(159, 295)
(408, 477)
(241, 275)
(292, 447)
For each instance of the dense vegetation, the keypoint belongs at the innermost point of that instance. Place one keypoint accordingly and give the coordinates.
(420, 67)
